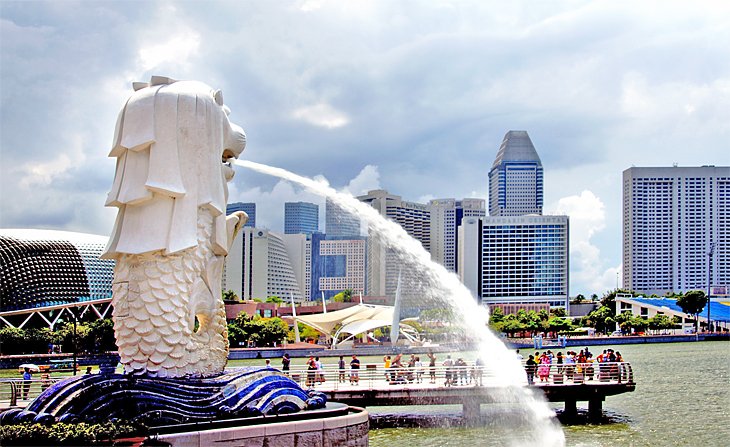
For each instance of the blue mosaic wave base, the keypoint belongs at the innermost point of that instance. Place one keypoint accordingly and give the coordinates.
(95, 398)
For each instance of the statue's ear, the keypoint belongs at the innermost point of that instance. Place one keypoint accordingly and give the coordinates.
(218, 95)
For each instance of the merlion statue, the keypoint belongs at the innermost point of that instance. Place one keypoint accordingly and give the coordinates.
(173, 144)
(171, 235)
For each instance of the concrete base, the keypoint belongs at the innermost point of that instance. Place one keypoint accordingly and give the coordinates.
(350, 430)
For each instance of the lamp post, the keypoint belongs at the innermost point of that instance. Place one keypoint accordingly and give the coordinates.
(709, 287)
(75, 343)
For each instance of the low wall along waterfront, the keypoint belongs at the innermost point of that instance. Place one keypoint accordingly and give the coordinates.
(350, 430)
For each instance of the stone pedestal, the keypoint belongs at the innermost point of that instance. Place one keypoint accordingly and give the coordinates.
(350, 430)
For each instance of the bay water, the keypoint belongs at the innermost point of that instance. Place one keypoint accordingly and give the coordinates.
(682, 398)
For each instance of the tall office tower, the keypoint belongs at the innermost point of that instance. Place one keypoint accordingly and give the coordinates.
(262, 263)
(339, 222)
(384, 265)
(247, 207)
(519, 260)
(446, 216)
(335, 264)
(515, 180)
(671, 217)
(301, 218)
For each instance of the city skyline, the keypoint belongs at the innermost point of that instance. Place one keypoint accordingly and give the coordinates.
(596, 85)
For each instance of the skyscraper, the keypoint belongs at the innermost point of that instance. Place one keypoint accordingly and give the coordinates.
(515, 255)
(335, 264)
(515, 180)
(672, 216)
(339, 222)
(384, 266)
(446, 216)
(262, 263)
(516, 260)
(247, 207)
(301, 218)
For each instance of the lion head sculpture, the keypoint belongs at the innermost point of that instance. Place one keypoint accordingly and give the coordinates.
(171, 142)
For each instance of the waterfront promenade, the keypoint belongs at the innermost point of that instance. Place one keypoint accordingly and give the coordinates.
(471, 386)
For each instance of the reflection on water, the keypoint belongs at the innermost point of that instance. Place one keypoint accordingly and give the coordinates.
(682, 398)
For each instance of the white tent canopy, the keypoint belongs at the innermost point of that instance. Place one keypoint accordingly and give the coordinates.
(354, 320)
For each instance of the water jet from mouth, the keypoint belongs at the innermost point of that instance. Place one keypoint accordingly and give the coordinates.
(430, 285)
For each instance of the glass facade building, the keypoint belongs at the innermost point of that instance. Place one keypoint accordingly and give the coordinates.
(44, 268)
(301, 218)
(516, 177)
(446, 217)
(525, 260)
(339, 222)
(335, 264)
(673, 217)
(247, 207)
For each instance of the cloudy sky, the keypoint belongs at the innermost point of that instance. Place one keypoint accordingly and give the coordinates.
(409, 96)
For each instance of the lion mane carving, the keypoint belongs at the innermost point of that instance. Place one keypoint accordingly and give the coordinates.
(171, 234)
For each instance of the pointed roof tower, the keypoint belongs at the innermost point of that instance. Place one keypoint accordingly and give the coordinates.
(516, 146)
(515, 180)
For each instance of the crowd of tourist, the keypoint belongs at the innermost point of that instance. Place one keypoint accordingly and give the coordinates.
(541, 367)
(574, 366)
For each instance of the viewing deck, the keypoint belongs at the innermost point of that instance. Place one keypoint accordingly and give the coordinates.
(469, 386)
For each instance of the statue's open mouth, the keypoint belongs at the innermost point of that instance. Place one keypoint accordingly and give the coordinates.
(228, 171)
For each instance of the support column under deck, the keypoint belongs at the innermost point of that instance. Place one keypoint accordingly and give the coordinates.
(595, 408)
(571, 409)
(471, 411)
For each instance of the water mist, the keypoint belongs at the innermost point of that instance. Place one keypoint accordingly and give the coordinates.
(527, 417)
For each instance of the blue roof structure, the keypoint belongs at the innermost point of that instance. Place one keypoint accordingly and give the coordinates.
(718, 311)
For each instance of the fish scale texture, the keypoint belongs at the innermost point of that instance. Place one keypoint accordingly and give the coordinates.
(157, 298)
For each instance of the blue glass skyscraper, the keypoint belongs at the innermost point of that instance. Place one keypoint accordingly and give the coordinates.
(247, 207)
(515, 180)
(301, 218)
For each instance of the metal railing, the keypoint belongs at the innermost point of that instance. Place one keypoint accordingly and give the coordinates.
(330, 377)
(18, 392)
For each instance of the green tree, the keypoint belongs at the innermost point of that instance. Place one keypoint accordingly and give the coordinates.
(558, 312)
(343, 297)
(274, 299)
(558, 324)
(609, 299)
(693, 302)
(660, 322)
(496, 316)
(579, 299)
(37, 340)
(602, 319)
(12, 340)
(639, 323)
(229, 295)
(439, 315)
(100, 337)
(512, 325)
(260, 331)
(65, 337)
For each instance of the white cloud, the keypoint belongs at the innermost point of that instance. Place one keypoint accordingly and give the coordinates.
(270, 203)
(366, 180)
(322, 115)
(326, 87)
(178, 50)
(587, 218)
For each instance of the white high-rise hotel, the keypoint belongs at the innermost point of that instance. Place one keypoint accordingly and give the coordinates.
(671, 216)
(515, 255)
